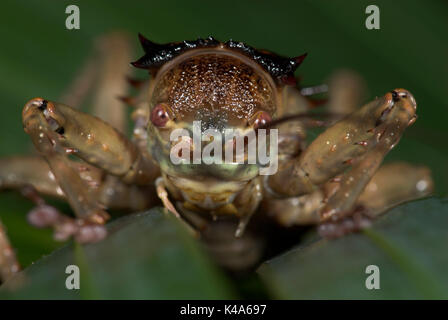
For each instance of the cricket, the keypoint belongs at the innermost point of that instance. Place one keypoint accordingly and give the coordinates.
(336, 181)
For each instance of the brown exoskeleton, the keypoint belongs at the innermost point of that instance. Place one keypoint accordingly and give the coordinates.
(336, 181)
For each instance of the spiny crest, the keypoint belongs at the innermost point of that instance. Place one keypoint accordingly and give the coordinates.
(157, 54)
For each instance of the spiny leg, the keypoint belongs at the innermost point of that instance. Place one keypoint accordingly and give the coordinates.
(77, 91)
(395, 183)
(392, 184)
(110, 62)
(19, 171)
(44, 215)
(302, 210)
(397, 114)
(107, 68)
(104, 73)
(115, 53)
(352, 148)
(58, 129)
(346, 142)
(33, 177)
(23, 173)
(346, 91)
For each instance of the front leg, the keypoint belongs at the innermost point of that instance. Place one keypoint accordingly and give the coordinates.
(246, 203)
(57, 131)
(392, 184)
(351, 149)
(394, 116)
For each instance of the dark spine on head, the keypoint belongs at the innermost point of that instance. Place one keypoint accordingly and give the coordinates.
(158, 54)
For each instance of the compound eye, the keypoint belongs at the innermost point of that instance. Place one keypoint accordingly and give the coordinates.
(160, 115)
(260, 119)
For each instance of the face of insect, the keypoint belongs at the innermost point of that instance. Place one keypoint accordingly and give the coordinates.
(197, 101)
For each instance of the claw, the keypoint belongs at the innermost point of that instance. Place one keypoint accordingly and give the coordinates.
(91, 233)
(43, 216)
(339, 227)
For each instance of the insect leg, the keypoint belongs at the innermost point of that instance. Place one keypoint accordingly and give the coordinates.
(366, 136)
(162, 193)
(395, 183)
(397, 112)
(392, 184)
(352, 149)
(346, 92)
(247, 203)
(104, 72)
(302, 210)
(114, 55)
(33, 177)
(394, 118)
(19, 171)
(110, 65)
(58, 130)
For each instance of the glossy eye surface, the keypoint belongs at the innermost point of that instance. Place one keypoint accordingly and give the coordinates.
(160, 115)
(261, 119)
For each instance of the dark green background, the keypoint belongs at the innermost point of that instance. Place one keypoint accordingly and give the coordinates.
(39, 57)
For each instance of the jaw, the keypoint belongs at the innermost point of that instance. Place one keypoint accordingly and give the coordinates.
(206, 192)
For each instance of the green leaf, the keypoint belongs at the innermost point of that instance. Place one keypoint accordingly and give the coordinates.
(43, 57)
(145, 256)
(332, 32)
(408, 244)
